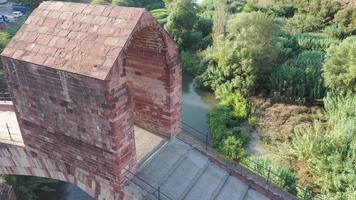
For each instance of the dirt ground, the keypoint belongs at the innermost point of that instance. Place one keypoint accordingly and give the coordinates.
(276, 121)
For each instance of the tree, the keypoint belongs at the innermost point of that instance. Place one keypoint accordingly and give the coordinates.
(219, 17)
(242, 61)
(340, 66)
(181, 20)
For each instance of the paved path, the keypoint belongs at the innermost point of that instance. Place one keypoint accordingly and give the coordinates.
(183, 173)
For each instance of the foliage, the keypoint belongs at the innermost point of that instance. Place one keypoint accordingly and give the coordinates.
(300, 77)
(26, 187)
(148, 4)
(233, 148)
(328, 151)
(314, 42)
(160, 15)
(340, 66)
(223, 121)
(277, 173)
(247, 53)
(191, 63)
(180, 22)
(220, 12)
(304, 23)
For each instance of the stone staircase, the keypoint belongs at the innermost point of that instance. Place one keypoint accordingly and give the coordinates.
(183, 173)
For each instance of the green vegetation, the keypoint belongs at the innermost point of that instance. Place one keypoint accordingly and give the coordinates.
(224, 120)
(245, 55)
(300, 77)
(340, 67)
(26, 188)
(327, 151)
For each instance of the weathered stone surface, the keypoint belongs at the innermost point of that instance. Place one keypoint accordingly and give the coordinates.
(7, 192)
(80, 76)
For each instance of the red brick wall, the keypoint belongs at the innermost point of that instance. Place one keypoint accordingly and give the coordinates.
(80, 129)
(153, 72)
(85, 124)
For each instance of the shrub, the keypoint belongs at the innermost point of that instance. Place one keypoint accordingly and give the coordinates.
(339, 69)
(232, 148)
(314, 42)
(300, 23)
(278, 174)
(300, 77)
(191, 63)
(326, 151)
(223, 121)
(240, 107)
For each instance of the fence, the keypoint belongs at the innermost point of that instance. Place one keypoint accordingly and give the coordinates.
(13, 133)
(5, 96)
(271, 176)
(154, 192)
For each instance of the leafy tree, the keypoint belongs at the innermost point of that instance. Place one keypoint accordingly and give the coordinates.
(340, 66)
(181, 20)
(220, 14)
(245, 55)
(344, 24)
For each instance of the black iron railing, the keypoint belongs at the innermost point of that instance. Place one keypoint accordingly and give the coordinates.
(284, 182)
(10, 131)
(154, 192)
(5, 96)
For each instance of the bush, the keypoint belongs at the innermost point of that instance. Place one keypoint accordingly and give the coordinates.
(339, 69)
(232, 148)
(278, 174)
(300, 77)
(223, 121)
(240, 107)
(326, 151)
(314, 42)
(191, 63)
(300, 23)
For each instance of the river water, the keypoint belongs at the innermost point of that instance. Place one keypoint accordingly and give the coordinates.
(196, 105)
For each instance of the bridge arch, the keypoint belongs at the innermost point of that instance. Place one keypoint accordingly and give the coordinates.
(77, 96)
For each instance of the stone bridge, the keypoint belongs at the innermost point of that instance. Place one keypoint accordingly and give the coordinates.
(80, 77)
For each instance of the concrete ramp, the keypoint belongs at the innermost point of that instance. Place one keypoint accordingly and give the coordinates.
(183, 173)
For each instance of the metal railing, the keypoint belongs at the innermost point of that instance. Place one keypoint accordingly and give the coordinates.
(154, 192)
(5, 96)
(10, 131)
(285, 182)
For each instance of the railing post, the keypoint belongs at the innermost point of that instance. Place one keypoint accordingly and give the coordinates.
(8, 130)
(159, 193)
(268, 174)
(206, 141)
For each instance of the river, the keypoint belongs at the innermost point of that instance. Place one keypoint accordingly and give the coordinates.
(196, 105)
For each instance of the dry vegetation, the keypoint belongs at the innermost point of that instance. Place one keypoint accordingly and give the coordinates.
(276, 121)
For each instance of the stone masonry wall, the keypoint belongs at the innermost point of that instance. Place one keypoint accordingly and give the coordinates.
(79, 121)
(154, 78)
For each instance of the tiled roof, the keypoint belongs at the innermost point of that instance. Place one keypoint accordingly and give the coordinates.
(78, 38)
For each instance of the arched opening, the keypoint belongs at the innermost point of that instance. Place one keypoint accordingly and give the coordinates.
(148, 80)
